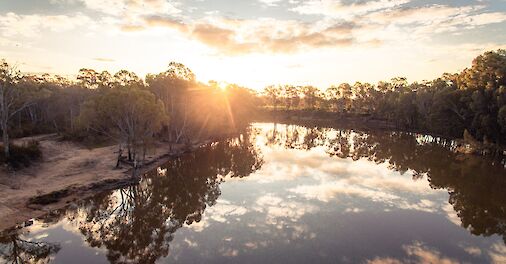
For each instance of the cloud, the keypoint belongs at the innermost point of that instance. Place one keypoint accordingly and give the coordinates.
(270, 2)
(498, 253)
(436, 18)
(375, 22)
(132, 8)
(366, 24)
(328, 191)
(160, 21)
(103, 59)
(132, 28)
(338, 9)
(277, 209)
(417, 252)
(12, 24)
(235, 36)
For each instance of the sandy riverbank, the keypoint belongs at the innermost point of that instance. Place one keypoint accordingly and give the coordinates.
(68, 171)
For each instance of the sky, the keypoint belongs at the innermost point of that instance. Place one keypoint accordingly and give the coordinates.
(253, 43)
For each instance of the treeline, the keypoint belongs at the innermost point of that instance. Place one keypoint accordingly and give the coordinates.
(171, 106)
(175, 107)
(472, 100)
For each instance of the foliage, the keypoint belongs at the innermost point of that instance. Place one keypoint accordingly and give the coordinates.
(122, 106)
(22, 155)
(473, 99)
(127, 114)
(101, 104)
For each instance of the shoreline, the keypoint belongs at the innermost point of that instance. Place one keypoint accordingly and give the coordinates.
(32, 192)
(70, 172)
(365, 122)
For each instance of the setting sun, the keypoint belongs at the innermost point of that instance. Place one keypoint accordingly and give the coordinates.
(253, 131)
(223, 86)
(252, 43)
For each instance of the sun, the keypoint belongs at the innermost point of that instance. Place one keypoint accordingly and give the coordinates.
(223, 86)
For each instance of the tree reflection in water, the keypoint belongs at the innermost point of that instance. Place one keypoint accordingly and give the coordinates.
(137, 224)
(15, 249)
(475, 184)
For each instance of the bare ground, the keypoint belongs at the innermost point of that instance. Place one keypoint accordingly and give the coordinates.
(68, 170)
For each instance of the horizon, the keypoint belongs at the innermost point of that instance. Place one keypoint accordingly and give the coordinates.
(73, 77)
(253, 43)
(261, 131)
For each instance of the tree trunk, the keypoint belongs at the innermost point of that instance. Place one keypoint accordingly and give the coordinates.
(120, 152)
(5, 139)
(71, 120)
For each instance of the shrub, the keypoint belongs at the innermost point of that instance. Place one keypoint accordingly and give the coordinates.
(21, 156)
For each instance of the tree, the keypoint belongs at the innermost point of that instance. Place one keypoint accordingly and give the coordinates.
(291, 94)
(346, 94)
(311, 95)
(127, 114)
(501, 118)
(173, 87)
(273, 93)
(89, 78)
(363, 92)
(13, 99)
(125, 78)
(332, 95)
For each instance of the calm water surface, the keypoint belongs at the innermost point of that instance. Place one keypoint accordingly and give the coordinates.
(288, 194)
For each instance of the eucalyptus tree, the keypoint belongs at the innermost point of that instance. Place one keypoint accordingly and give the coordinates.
(273, 93)
(332, 95)
(346, 93)
(311, 95)
(13, 99)
(292, 96)
(129, 115)
(174, 88)
(486, 82)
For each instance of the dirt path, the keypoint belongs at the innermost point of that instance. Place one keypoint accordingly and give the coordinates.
(66, 167)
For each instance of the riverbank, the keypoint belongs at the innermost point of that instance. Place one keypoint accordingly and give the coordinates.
(68, 172)
(464, 145)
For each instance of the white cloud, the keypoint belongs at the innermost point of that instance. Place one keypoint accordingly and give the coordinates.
(338, 9)
(328, 191)
(498, 253)
(425, 21)
(270, 2)
(12, 24)
(277, 209)
(131, 8)
(417, 252)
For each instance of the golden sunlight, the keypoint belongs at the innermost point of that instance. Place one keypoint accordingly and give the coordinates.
(279, 131)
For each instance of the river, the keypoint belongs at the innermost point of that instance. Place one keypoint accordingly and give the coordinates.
(288, 194)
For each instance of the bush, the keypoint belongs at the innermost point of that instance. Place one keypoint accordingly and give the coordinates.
(88, 139)
(22, 156)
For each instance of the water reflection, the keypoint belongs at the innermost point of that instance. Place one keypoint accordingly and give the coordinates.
(15, 249)
(291, 193)
(475, 184)
(146, 216)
